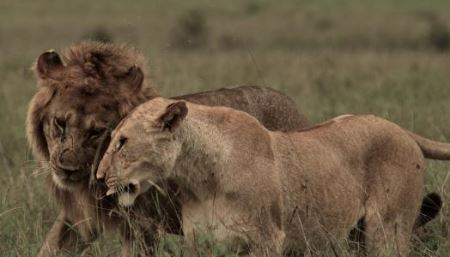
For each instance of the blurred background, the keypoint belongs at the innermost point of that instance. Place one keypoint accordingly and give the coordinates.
(389, 58)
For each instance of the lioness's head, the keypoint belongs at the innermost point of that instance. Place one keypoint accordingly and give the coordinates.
(144, 149)
(81, 97)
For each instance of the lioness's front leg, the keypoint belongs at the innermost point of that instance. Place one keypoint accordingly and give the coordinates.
(63, 237)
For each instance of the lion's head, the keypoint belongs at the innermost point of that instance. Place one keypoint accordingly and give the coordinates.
(144, 149)
(81, 97)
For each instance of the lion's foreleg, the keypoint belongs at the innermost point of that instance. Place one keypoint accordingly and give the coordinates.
(63, 237)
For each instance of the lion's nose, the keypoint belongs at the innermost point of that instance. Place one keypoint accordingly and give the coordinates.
(67, 161)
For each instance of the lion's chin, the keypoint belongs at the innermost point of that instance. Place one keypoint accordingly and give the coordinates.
(126, 199)
(67, 184)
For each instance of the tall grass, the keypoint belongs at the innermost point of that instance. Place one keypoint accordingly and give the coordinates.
(332, 57)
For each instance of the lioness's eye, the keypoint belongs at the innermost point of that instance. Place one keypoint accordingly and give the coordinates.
(121, 142)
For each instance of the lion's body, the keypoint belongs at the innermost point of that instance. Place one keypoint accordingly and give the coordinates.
(298, 190)
(88, 93)
(260, 102)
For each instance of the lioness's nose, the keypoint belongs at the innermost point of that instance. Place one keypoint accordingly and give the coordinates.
(104, 166)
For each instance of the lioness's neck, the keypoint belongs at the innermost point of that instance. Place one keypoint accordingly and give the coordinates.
(203, 152)
(212, 138)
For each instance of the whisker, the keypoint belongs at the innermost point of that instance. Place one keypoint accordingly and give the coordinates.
(43, 169)
(40, 172)
(158, 188)
(111, 181)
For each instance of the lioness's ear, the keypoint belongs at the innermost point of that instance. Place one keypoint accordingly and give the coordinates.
(173, 116)
(49, 65)
(134, 78)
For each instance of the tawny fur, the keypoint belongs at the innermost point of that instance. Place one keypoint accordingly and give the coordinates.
(93, 86)
(275, 191)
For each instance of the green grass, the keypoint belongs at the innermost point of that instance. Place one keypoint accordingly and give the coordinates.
(332, 57)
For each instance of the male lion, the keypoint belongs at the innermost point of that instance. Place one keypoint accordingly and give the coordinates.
(80, 98)
(272, 191)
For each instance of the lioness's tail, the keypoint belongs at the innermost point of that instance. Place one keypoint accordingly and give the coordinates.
(432, 149)
(431, 205)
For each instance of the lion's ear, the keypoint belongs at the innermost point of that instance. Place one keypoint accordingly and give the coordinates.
(173, 115)
(49, 65)
(134, 78)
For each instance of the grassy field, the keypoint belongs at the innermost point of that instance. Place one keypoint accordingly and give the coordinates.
(389, 58)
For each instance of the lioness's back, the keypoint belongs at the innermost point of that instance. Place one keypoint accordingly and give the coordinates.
(350, 136)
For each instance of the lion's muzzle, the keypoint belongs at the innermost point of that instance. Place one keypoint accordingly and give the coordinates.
(68, 168)
(71, 175)
(68, 160)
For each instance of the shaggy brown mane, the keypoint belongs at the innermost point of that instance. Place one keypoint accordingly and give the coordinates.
(90, 69)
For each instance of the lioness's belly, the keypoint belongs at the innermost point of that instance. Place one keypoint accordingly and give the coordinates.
(217, 218)
(321, 198)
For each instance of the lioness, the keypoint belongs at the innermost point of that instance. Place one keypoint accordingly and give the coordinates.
(274, 191)
(83, 95)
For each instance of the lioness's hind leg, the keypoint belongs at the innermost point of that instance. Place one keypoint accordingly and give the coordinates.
(387, 237)
(263, 246)
(377, 236)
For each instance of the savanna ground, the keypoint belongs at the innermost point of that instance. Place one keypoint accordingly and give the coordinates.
(389, 58)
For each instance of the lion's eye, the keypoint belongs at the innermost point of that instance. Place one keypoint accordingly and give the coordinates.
(60, 124)
(95, 133)
(121, 142)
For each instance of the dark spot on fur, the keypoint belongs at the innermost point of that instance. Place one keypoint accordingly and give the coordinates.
(130, 188)
(356, 236)
(107, 107)
(293, 215)
(231, 196)
(275, 212)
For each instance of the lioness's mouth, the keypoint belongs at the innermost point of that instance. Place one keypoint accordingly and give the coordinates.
(126, 199)
(125, 194)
